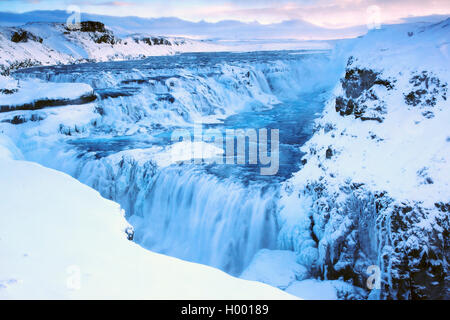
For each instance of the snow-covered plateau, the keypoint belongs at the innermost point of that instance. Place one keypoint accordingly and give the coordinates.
(362, 187)
(43, 43)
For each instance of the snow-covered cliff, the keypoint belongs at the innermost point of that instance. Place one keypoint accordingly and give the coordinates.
(374, 188)
(54, 43)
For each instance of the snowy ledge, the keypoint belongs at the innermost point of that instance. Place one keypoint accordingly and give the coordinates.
(35, 94)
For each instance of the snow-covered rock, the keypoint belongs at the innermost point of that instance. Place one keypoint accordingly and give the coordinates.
(59, 239)
(35, 94)
(375, 185)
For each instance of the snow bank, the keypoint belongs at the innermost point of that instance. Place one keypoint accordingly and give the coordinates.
(59, 239)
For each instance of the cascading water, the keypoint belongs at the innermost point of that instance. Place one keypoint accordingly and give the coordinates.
(212, 214)
(197, 217)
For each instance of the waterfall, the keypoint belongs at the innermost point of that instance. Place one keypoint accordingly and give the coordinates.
(183, 211)
(197, 217)
(186, 211)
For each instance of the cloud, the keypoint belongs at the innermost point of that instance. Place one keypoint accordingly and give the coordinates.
(325, 13)
(104, 3)
(113, 3)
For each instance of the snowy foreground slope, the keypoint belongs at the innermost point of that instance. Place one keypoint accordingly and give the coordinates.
(53, 43)
(60, 239)
(375, 185)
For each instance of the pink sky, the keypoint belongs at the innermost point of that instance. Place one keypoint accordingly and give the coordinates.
(327, 13)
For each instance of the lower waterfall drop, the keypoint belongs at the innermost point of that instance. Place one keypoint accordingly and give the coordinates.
(197, 217)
